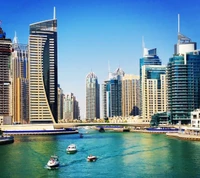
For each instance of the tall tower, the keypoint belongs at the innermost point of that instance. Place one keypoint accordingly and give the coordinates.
(112, 94)
(43, 71)
(20, 82)
(154, 99)
(5, 79)
(149, 58)
(183, 79)
(92, 97)
(60, 103)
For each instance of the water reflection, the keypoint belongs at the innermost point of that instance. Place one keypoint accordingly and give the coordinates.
(119, 155)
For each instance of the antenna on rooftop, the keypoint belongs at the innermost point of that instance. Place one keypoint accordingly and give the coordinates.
(54, 13)
(15, 40)
(178, 23)
(143, 44)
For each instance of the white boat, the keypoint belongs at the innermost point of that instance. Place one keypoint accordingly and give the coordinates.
(6, 139)
(53, 162)
(71, 148)
(91, 158)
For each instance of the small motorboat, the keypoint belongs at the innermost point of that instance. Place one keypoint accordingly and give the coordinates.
(101, 129)
(71, 149)
(91, 158)
(6, 139)
(53, 162)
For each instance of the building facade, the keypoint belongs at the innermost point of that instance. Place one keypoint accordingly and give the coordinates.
(5, 79)
(130, 95)
(183, 80)
(92, 97)
(154, 90)
(195, 118)
(43, 72)
(60, 103)
(20, 82)
(149, 58)
(71, 107)
(112, 94)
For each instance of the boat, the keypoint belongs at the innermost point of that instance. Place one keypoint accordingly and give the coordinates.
(162, 129)
(6, 139)
(91, 158)
(37, 130)
(101, 129)
(53, 162)
(71, 149)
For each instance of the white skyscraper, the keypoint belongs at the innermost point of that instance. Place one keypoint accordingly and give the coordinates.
(92, 97)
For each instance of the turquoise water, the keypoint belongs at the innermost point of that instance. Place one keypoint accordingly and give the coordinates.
(121, 155)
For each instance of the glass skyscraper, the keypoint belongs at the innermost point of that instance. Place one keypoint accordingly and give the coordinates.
(20, 82)
(112, 94)
(183, 73)
(149, 58)
(183, 80)
(43, 72)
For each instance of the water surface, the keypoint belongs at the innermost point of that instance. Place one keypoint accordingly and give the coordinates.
(121, 155)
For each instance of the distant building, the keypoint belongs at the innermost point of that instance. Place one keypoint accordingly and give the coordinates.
(43, 72)
(195, 118)
(112, 94)
(20, 82)
(70, 107)
(130, 95)
(92, 97)
(5, 79)
(183, 82)
(60, 103)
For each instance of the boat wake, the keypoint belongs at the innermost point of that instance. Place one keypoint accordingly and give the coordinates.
(51, 168)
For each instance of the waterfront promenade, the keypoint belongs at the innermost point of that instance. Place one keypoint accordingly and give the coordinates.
(134, 127)
(184, 136)
(76, 124)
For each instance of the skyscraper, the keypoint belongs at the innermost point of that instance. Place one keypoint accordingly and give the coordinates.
(154, 91)
(112, 94)
(149, 58)
(60, 103)
(130, 95)
(20, 82)
(70, 107)
(183, 82)
(5, 79)
(43, 71)
(92, 97)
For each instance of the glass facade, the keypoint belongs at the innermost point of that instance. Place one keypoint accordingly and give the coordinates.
(150, 58)
(112, 94)
(183, 78)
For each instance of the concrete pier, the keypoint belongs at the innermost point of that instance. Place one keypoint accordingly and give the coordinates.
(184, 136)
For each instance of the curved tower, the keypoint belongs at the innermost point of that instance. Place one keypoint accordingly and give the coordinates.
(43, 71)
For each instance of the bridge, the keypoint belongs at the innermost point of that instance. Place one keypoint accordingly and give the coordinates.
(76, 124)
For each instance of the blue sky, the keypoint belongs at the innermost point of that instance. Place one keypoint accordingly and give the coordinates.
(93, 32)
